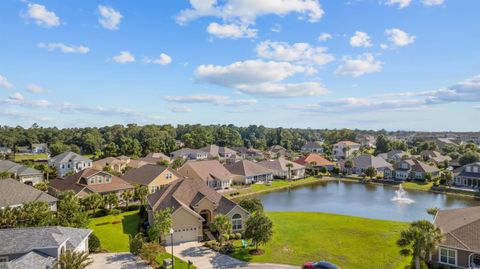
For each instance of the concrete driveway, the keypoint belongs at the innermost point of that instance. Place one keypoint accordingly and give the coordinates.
(205, 258)
(117, 260)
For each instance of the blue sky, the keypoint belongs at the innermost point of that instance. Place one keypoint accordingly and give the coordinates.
(368, 64)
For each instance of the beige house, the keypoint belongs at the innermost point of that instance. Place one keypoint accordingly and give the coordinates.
(117, 164)
(153, 176)
(155, 158)
(280, 168)
(194, 207)
(345, 149)
(212, 172)
(248, 172)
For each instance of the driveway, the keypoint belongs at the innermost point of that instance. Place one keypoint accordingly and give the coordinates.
(205, 258)
(117, 260)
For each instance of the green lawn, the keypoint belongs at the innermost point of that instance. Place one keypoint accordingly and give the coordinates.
(349, 242)
(179, 264)
(276, 184)
(114, 237)
(29, 157)
(417, 186)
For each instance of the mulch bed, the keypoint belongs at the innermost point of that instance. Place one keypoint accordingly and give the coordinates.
(257, 252)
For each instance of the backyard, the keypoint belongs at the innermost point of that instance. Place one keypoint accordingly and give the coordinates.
(349, 242)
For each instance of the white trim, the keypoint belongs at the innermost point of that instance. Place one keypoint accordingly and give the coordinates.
(447, 249)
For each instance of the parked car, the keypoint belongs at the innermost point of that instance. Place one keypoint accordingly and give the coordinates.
(319, 265)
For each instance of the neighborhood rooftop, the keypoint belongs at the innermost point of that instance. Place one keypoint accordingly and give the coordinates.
(14, 193)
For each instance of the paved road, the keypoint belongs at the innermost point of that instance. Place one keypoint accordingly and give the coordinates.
(119, 260)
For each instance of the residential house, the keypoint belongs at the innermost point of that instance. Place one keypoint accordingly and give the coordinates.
(435, 157)
(280, 168)
(443, 142)
(156, 158)
(23, 150)
(215, 151)
(189, 154)
(345, 149)
(468, 176)
(249, 153)
(364, 161)
(154, 177)
(394, 155)
(21, 172)
(212, 172)
(194, 207)
(14, 194)
(412, 169)
(278, 151)
(366, 140)
(4, 151)
(90, 181)
(41, 148)
(40, 247)
(117, 164)
(461, 246)
(314, 160)
(69, 162)
(312, 146)
(248, 172)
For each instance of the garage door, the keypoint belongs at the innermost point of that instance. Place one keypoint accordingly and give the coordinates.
(186, 234)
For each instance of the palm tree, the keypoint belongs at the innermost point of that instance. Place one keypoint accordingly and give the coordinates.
(222, 225)
(111, 200)
(433, 211)
(419, 240)
(141, 193)
(348, 165)
(74, 260)
(92, 202)
(127, 195)
(289, 166)
(8, 217)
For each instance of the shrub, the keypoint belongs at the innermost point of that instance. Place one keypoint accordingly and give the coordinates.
(133, 207)
(93, 243)
(135, 243)
(211, 244)
(227, 248)
(238, 236)
(142, 212)
(149, 252)
(115, 212)
(232, 236)
(100, 213)
(224, 237)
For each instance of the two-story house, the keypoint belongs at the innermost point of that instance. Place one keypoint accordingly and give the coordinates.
(312, 147)
(40, 247)
(154, 177)
(468, 176)
(69, 162)
(189, 154)
(412, 169)
(345, 149)
(21, 172)
(394, 155)
(215, 151)
(40, 148)
(212, 172)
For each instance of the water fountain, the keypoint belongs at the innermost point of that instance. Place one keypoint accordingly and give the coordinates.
(401, 196)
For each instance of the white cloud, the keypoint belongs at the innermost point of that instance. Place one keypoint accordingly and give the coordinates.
(360, 39)
(64, 48)
(124, 57)
(363, 64)
(432, 2)
(399, 38)
(181, 109)
(400, 3)
(286, 89)
(324, 37)
(17, 96)
(247, 10)
(301, 53)
(207, 98)
(33, 88)
(109, 17)
(42, 16)
(163, 59)
(233, 31)
(277, 28)
(4, 83)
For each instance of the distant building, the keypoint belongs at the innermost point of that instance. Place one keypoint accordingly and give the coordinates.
(21, 172)
(15, 194)
(117, 164)
(189, 154)
(69, 162)
(248, 172)
(212, 172)
(366, 140)
(280, 168)
(435, 156)
(154, 177)
(412, 169)
(41, 148)
(215, 151)
(345, 149)
(39, 247)
(364, 161)
(316, 161)
(394, 155)
(4, 151)
(313, 146)
(155, 158)
(468, 176)
(249, 153)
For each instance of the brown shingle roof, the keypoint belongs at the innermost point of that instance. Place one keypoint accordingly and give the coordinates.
(144, 175)
(461, 227)
(205, 170)
(313, 157)
(247, 168)
(280, 164)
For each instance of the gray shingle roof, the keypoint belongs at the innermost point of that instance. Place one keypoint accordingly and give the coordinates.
(18, 169)
(247, 168)
(144, 175)
(28, 239)
(13, 192)
(33, 259)
(280, 164)
(365, 160)
(69, 156)
(215, 150)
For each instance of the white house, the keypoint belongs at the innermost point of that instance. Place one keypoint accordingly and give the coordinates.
(345, 149)
(69, 161)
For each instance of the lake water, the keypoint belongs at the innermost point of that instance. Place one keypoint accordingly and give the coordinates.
(362, 200)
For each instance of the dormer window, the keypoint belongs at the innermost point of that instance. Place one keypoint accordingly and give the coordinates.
(107, 179)
(168, 175)
(468, 169)
(99, 179)
(475, 169)
(92, 181)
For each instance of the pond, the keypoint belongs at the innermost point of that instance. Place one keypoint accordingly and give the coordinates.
(362, 200)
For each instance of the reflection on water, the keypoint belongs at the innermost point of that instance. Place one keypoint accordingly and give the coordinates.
(363, 200)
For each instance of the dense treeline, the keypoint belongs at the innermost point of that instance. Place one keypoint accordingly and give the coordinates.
(135, 140)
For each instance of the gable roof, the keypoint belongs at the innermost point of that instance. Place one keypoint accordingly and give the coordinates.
(312, 145)
(215, 150)
(313, 157)
(366, 160)
(461, 227)
(247, 168)
(18, 169)
(78, 182)
(187, 152)
(280, 164)
(69, 156)
(155, 157)
(186, 193)
(144, 175)
(13, 192)
(110, 161)
(205, 170)
(423, 167)
(461, 171)
(347, 143)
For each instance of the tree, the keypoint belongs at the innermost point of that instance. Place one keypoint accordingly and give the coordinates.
(259, 228)
(289, 166)
(140, 193)
(419, 240)
(92, 202)
(43, 186)
(36, 214)
(222, 225)
(433, 211)
(178, 162)
(70, 212)
(135, 243)
(127, 195)
(252, 205)
(469, 157)
(74, 260)
(383, 144)
(348, 165)
(94, 244)
(371, 172)
(162, 223)
(110, 199)
(9, 217)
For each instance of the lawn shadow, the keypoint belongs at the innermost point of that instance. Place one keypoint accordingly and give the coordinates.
(130, 224)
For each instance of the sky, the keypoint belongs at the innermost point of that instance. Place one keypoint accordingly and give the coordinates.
(367, 64)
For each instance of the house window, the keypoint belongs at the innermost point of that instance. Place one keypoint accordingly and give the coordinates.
(236, 222)
(468, 169)
(3, 259)
(92, 181)
(99, 179)
(107, 179)
(448, 256)
(475, 169)
(168, 175)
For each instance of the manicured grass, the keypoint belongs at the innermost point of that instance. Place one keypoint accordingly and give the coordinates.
(179, 264)
(417, 186)
(29, 157)
(114, 237)
(349, 242)
(276, 185)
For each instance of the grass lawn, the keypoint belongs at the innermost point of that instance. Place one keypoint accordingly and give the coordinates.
(349, 242)
(29, 157)
(417, 186)
(276, 184)
(179, 264)
(114, 237)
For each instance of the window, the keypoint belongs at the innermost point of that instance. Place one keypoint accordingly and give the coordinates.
(107, 179)
(475, 169)
(169, 175)
(99, 179)
(468, 169)
(448, 256)
(236, 222)
(3, 259)
(92, 180)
